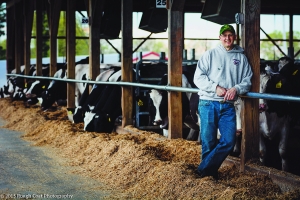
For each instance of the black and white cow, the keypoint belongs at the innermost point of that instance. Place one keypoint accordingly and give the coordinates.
(106, 109)
(277, 118)
(274, 121)
(58, 89)
(88, 100)
(160, 102)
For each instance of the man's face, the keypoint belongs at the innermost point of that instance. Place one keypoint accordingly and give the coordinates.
(227, 39)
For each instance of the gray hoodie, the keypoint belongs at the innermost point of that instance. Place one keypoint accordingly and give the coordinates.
(224, 68)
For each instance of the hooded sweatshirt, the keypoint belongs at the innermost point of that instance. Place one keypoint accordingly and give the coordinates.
(224, 68)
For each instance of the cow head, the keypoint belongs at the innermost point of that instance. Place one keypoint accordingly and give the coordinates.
(48, 99)
(36, 89)
(88, 121)
(284, 64)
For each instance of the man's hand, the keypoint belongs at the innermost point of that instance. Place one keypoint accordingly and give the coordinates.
(221, 91)
(228, 94)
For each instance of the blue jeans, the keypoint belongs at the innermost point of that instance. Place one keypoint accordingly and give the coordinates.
(213, 116)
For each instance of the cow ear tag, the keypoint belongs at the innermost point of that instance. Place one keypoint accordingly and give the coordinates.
(43, 86)
(140, 103)
(70, 112)
(279, 84)
(26, 85)
(295, 72)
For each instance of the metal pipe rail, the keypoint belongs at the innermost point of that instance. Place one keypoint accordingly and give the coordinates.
(276, 97)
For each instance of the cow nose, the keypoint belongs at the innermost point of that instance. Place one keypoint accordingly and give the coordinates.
(262, 107)
(157, 122)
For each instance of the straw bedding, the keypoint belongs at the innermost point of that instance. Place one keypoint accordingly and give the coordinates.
(143, 166)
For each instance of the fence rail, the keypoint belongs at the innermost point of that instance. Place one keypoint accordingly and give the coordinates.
(276, 97)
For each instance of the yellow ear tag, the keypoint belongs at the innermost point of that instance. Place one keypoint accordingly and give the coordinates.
(109, 119)
(26, 85)
(295, 72)
(43, 86)
(279, 84)
(140, 103)
(70, 112)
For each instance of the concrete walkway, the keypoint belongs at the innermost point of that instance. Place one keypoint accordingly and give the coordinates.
(28, 170)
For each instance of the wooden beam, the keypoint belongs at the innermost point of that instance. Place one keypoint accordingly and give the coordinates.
(177, 5)
(28, 18)
(18, 21)
(39, 36)
(250, 41)
(126, 58)
(53, 8)
(10, 40)
(71, 52)
(175, 44)
(95, 16)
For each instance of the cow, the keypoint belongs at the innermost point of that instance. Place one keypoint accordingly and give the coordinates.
(274, 120)
(107, 107)
(160, 102)
(87, 99)
(58, 89)
(277, 118)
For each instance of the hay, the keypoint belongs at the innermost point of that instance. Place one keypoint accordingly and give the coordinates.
(143, 166)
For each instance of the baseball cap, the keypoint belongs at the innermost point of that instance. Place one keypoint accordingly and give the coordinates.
(227, 27)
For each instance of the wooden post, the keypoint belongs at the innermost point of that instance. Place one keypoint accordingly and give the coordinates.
(39, 36)
(54, 7)
(71, 52)
(126, 58)
(10, 39)
(28, 18)
(95, 16)
(175, 30)
(19, 44)
(250, 41)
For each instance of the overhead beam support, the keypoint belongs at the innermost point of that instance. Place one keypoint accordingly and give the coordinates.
(250, 41)
(126, 58)
(71, 52)
(39, 36)
(10, 40)
(175, 48)
(19, 44)
(95, 16)
(53, 11)
(28, 12)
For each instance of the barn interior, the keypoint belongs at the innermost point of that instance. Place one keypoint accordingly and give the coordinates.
(16, 57)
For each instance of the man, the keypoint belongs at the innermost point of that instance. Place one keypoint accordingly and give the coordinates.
(221, 75)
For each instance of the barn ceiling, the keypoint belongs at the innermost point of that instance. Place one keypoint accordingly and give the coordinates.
(195, 6)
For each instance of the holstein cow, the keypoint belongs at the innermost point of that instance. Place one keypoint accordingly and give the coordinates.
(189, 104)
(87, 99)
(107, 109)
(58, 89)
(277, 118)
(274, 120)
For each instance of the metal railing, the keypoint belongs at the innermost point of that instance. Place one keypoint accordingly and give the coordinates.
(276, 97)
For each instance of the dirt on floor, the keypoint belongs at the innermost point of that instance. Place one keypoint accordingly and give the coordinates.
(143, 166)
